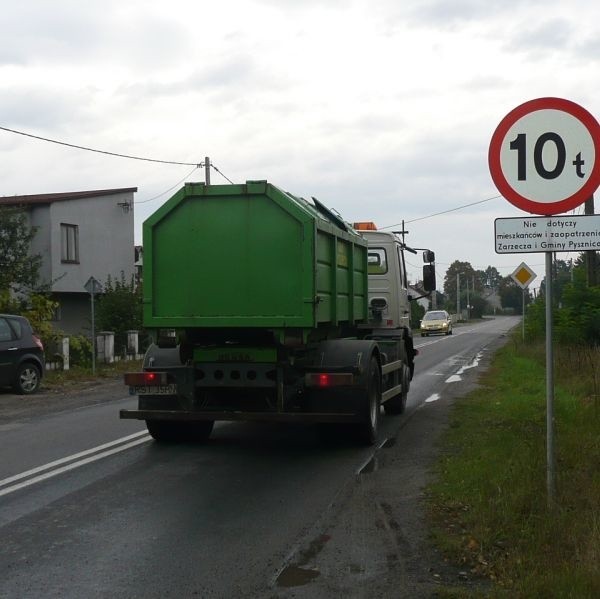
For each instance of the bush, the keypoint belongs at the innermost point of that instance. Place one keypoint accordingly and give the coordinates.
(80, 351)
(120, 310)
(577, 320)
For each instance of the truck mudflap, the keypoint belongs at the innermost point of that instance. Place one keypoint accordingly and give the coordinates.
(190, 416)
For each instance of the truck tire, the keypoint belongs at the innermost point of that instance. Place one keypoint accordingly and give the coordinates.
(397, 404)
(167, 431)
(368, 428)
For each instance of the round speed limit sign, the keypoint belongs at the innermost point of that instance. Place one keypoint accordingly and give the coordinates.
(544, 156)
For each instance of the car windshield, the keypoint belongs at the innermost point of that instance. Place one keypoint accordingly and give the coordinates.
(435, 316)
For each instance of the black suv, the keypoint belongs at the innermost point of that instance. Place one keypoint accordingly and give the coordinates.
(21, 355)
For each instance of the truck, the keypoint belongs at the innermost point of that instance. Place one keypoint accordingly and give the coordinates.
(265, 306)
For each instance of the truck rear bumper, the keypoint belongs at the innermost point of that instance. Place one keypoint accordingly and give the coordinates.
(308, 417)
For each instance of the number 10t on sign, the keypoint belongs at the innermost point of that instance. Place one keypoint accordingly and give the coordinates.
(547, 156)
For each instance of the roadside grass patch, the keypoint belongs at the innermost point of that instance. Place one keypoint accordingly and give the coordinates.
(488, 505)
(63, 379)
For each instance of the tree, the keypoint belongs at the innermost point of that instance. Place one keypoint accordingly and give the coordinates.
(120, 309)
(511, 295)
(466, 274)
(20, 290)
(416, 313)
(491, 277)
(19, 270)
(561, 277)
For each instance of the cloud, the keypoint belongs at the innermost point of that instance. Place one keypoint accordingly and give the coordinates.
(549, 37)
(37, 108)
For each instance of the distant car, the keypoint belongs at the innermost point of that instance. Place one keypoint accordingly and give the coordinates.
(21, 355)
(436, 321)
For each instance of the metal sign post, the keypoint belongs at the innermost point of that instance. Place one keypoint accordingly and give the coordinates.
(550, 460)
(523, 276)
(93, 287)
(544, 158)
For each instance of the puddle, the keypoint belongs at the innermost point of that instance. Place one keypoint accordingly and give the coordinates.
(298, 574)
(455, 378)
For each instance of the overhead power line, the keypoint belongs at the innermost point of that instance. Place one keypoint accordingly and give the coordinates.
(414, 220)
(167, 190)
(118, 155)
(78, 147)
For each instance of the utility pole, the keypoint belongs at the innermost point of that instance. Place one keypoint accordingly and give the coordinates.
(457, 297)
(590, 256)
(468, 303)
(207, 170)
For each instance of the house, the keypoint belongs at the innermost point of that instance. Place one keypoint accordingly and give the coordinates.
(423, 298)
(80, 234)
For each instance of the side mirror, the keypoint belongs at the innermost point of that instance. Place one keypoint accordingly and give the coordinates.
(429, 277)
(428, 256)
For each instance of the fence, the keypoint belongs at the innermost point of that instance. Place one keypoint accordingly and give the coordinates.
(105, 350)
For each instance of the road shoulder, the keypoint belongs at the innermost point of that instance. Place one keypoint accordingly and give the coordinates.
(374, 542)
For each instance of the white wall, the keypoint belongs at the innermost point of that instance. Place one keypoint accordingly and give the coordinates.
(106, 244)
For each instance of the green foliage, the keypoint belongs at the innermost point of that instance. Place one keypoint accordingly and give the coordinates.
(20, 290)
(80, 351)
(416, 313)
(39, 312)
(478, 305)
(488, 504)
(511, 295)
(119, 309)
(466, 276)
(19, 270)
(577, 318)
(38, 308)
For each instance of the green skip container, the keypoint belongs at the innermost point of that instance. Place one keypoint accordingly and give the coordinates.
(251, 256)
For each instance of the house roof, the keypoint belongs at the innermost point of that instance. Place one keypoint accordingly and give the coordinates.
(49, 198)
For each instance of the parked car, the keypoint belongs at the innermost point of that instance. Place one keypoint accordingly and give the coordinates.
(436, 321)
(21, 355)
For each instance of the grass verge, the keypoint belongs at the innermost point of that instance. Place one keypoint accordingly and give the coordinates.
(58, 380)
(488, 505)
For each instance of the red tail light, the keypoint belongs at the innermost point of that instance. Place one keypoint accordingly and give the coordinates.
(328, 379)
(145, 379)
(38, 342)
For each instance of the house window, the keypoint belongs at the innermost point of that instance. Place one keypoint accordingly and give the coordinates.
(69, 243)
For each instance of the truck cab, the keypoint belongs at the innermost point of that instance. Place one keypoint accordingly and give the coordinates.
(388, 283)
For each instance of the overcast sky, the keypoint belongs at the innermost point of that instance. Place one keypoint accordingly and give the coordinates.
(382, 109)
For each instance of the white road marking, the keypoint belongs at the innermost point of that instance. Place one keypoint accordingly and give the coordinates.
(455, 378)
(98, 454)
(433, 397)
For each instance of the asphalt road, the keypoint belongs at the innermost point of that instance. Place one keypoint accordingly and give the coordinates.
(91, 507)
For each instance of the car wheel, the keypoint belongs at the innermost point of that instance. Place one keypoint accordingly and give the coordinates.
(27, 380)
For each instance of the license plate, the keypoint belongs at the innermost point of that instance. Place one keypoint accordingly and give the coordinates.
(153, 390)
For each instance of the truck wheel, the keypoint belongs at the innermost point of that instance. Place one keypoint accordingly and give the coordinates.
(27, 379)
(397, 404)
(367, 429)
(167, 431)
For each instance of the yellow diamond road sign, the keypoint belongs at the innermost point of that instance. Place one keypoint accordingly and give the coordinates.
(523, 275)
